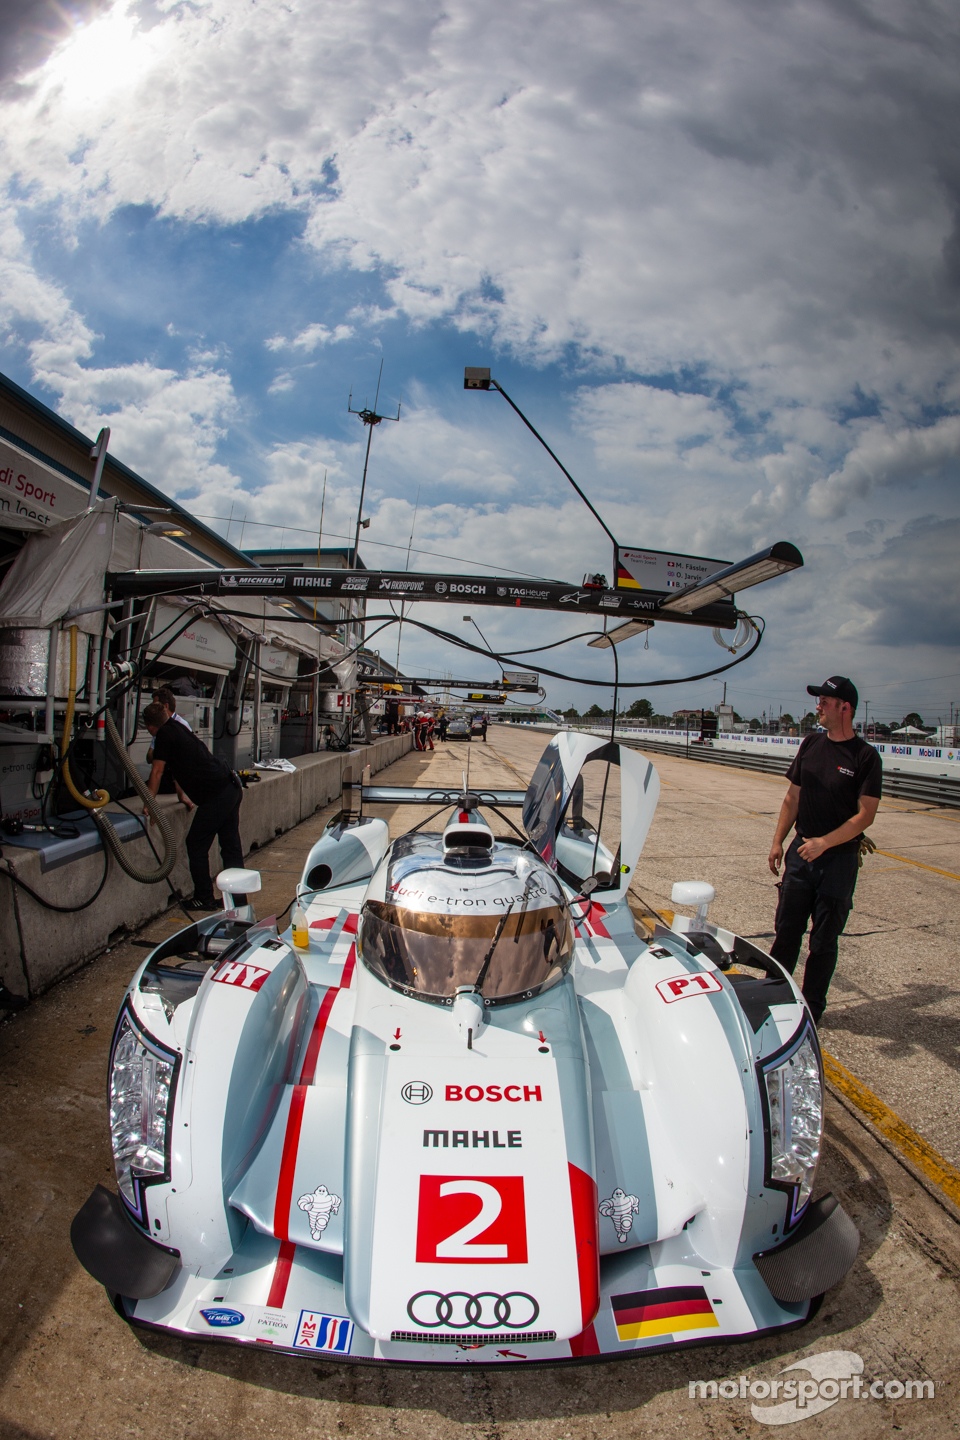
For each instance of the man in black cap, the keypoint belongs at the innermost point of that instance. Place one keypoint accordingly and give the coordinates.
(835, 786)
(215, 791)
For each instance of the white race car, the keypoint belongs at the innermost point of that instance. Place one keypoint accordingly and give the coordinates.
(477, 1120)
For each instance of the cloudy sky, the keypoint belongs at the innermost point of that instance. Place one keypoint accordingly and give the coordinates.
(711, 247)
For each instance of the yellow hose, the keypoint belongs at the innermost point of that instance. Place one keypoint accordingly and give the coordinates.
(100, 797)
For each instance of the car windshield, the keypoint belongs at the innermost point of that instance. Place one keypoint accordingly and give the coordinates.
(434, 955)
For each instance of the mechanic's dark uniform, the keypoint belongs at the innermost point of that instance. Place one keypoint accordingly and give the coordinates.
(216, 791)
(832, 775)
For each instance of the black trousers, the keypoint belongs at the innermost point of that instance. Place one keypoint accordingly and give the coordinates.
(820, 891)
(218, 817)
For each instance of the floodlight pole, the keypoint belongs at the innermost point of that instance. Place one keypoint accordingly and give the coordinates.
(477, 379)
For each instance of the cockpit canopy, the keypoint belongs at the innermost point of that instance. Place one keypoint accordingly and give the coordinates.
(505, 931)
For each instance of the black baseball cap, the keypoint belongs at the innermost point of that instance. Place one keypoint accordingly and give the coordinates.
(838, 687)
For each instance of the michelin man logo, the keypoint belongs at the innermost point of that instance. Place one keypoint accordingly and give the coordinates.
(620, 1208)
(320, 1205)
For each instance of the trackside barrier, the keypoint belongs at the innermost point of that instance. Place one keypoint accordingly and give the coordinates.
(900, 784)
(39, 947)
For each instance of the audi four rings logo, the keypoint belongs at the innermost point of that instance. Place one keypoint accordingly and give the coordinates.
(417, 1092)
(460, 1311)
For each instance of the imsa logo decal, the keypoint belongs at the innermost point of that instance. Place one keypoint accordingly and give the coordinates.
(333, 1333)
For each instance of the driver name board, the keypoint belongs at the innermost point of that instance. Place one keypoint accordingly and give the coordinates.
(662, 570)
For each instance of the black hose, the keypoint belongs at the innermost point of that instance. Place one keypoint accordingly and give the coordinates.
(48, 904)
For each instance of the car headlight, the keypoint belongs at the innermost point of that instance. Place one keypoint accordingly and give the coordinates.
(793, 1087)
(142, 1081)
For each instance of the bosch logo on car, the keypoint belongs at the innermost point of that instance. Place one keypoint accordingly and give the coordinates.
(221, 1318)
(513, 1093)
(468, 589)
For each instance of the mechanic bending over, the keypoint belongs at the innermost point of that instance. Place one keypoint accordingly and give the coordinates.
(835, 787)
(212, 787)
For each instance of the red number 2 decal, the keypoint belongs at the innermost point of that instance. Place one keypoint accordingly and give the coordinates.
(451, 1230)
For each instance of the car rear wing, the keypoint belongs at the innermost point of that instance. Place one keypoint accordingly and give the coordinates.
(437, 795)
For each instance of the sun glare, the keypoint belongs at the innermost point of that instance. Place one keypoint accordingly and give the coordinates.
(98, 57)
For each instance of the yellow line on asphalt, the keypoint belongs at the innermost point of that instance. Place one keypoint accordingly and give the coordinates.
(927, 1160)
(905, 860)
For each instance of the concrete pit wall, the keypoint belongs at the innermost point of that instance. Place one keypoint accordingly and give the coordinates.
(38, 947)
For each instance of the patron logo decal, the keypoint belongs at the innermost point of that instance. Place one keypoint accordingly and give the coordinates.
(417, 1092)
(469, 1220)
(681, 986)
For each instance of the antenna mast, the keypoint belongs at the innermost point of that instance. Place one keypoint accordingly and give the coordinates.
(370, 418)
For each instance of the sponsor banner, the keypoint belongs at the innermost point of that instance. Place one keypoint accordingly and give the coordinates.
(202, 644)
(256, 580)
(450, 589)
(32, 495)
(662, 569)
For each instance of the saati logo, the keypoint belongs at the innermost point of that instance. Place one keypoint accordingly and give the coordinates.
(417, 1092)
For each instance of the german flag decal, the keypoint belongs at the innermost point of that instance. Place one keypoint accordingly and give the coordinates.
(647, 1313)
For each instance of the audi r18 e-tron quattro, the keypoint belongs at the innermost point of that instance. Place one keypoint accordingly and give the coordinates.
(480, 1118)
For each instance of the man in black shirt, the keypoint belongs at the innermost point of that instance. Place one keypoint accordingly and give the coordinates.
(215, 791)
(835, 786)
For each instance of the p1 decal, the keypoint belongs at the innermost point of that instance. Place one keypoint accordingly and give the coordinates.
(682, 986)
(245, 977)
(471, 1220)
(333, 1333)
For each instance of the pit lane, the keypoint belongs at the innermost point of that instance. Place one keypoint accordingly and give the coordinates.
(71, 1368)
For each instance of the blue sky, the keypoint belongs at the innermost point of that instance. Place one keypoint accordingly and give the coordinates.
(711, 249)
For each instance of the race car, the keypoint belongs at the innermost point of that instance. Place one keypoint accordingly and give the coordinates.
(486, 1116)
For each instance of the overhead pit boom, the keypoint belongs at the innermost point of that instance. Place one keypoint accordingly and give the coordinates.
(401, 585)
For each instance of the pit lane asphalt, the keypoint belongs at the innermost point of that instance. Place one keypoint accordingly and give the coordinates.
(69, 1367)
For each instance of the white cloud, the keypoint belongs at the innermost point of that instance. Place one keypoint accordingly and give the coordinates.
(311, 338)
(758, 206)
(885, 457)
